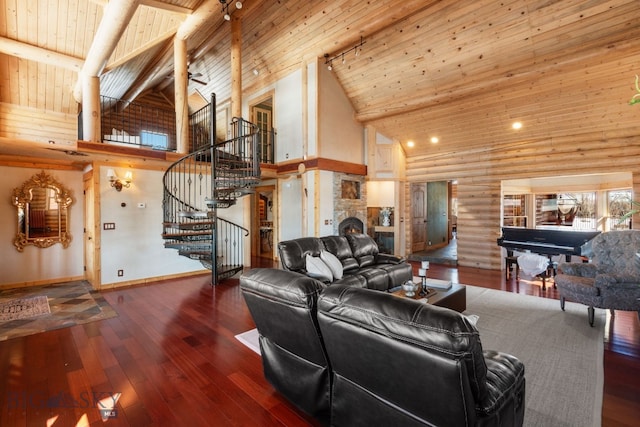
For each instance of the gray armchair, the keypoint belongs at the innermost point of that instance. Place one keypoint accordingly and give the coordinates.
(612, 279)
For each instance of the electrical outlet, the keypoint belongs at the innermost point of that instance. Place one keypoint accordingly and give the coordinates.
(120, 273)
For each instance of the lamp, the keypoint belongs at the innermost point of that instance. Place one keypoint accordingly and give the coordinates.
(118, 183)
(328, 60)
(422, 272)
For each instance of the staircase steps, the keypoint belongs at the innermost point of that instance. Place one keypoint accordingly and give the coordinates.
(199, 184)
(184, 247)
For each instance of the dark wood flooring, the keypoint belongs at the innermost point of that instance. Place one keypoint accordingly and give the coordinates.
(172, 355)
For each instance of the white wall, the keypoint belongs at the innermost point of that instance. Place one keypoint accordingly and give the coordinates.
(290, 192)
(327, 199)
(40, 265)
(136, 245)
(340, 136)
(288, 117)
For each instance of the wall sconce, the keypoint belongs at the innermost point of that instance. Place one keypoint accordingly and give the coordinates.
(118, 183)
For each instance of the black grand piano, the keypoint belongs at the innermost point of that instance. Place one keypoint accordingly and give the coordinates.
(548, 242)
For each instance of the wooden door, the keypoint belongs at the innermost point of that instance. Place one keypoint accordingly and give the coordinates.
(263, 222)
(418, 217)
(437, 214)
(263, 121)
(89, 231)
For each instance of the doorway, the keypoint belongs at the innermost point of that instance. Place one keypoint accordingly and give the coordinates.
(262, 116)
(434, 219)
(263, 243)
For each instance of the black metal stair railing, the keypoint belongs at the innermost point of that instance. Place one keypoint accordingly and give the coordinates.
(212, 177)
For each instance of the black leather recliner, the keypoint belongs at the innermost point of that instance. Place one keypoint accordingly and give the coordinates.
(398, 361)
(283, 305)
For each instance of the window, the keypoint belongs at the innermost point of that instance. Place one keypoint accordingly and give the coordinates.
(154, 139)
(619, 203)
(514, 210)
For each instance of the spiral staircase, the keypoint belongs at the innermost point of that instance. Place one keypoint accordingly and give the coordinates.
(213, 177)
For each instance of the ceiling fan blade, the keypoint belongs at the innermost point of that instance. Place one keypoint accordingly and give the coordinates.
(199, 81)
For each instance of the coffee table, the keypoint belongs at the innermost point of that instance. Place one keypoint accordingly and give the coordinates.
(454, 298)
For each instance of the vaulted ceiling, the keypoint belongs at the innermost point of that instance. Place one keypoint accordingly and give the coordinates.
(462, 70)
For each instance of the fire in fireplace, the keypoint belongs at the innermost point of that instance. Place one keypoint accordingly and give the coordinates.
(351, 225)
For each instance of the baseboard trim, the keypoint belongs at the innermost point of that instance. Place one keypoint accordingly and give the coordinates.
(40, 282)
(148, 280)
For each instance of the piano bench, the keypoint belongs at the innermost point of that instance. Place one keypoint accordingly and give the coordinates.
(509, 262)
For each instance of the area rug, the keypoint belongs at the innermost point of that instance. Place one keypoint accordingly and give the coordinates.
(71, 303)
(562, 354)
(250, 339)
(23, 308)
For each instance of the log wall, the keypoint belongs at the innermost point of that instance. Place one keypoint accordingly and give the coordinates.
(31, 124)
(480, 171)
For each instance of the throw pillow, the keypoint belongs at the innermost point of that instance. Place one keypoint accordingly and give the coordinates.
(333, 263)
(317, 269)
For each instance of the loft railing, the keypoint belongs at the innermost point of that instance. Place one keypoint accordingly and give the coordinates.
(130, 123)
(200, 127)
(267, 146)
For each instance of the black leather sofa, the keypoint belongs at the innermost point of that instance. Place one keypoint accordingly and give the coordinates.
(356, 357)
(362, 263)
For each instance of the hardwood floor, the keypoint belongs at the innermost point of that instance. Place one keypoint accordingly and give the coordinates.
(172, 355)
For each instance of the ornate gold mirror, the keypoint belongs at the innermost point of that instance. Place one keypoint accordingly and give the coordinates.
(43, 212)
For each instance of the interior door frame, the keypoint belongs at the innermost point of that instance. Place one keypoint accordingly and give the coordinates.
(417, 247)
(255, 218)
(91, 233)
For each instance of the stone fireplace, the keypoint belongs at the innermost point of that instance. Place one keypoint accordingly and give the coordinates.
(349, 206)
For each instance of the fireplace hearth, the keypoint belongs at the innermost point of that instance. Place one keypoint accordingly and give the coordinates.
(351, 225)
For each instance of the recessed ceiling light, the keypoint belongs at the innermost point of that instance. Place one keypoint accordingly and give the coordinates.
(434, 140)
(410, 144)
(516, 125)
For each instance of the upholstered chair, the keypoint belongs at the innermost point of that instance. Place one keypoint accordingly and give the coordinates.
(611, 280)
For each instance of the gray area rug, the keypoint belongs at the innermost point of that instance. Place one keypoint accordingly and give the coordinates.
(23, 308)
(562, 354)
(70, 303)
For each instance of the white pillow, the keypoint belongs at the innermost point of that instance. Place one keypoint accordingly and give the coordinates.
(317, 269)
(333, 263)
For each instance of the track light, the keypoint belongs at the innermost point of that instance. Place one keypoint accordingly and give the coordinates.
(225, 9)
(329, 60)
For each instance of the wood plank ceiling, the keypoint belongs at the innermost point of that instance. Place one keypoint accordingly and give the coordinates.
(459, 70)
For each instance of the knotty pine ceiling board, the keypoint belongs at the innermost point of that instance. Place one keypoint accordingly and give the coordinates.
(146, 25)
(117, 81)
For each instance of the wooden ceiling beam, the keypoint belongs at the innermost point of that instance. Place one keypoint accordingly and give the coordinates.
(151, 44)
(116, 17)
(38, 54)
(164, 61)
(166, 6)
